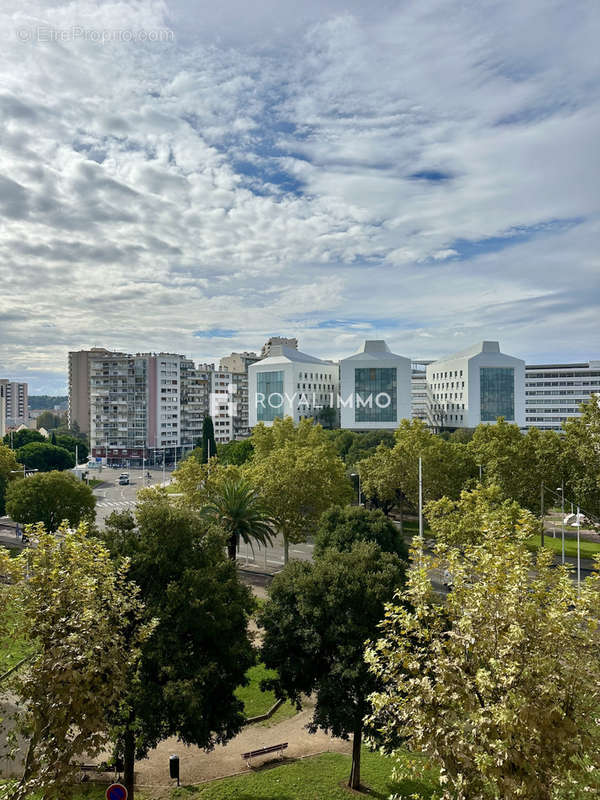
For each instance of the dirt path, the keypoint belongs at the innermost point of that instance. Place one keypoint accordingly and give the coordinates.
(197, 766)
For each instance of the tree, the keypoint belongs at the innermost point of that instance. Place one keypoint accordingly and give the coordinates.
(459, 522)
(50, 498)
(44, 457)
(235, 452)
(498, 684)
(48, 420)
(73, 444)
(242, 513)
(18, 439)
(200, 483)
(340, 528)
(74, 604)
(582, 455)
(10, 470)
(199, 651)
(209, 445)
(298, 474)
(316, 621)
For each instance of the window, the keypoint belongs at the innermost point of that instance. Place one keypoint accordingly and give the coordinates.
(375, 394)
(269, 400)
(497, 393)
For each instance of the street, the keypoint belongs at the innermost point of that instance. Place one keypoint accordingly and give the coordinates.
(111, 496)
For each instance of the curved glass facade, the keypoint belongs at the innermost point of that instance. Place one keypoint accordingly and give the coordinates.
(269, 396)
(497, 393)
(375, 394)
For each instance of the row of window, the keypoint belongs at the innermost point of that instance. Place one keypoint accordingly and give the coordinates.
(563, 393)
(584, 373)
(563, 383)
(438, 376)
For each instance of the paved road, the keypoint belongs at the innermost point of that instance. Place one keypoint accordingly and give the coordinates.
(111, 496)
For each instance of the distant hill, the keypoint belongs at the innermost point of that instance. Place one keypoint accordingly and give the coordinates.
(46, 401)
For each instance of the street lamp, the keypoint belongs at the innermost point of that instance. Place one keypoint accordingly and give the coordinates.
(24, 468)
(480, 472)
(561, 489)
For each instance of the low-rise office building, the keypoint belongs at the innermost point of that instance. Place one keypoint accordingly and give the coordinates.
(375, 388)
(554, 392)
(477, 385)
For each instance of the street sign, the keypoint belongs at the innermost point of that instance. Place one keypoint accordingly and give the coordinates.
(116, 791)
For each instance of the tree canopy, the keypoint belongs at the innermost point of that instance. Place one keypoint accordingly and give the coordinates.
(10, 470)
(23, 437)
(50, 498)
(341, 527)
(199, 651)
(316, 622)
(74, 605)
(44, 457)
(498, 685)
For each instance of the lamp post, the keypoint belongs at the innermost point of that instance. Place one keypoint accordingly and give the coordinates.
(578, 523)
(561, 489)
(356, 475)
(480, 472)
(420, 510)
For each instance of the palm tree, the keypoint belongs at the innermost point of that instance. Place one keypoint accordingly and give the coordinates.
(241, 512)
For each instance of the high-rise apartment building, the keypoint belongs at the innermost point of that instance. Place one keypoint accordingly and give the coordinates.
(196, 388)
(79, 386)
(2, 411)
(554, 392)
(16, 411)
(277, 341)
(418, 389)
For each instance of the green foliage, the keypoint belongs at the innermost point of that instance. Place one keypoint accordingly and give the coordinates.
(50, 498)
(73, 604)
(200, 651)
(209, 445)
(500, 683)
(10, 470)
(582, 457)
(296, 470)
(235, 452)
(316, 778)
(478, 514)
(49, 420)
(46, 401)
(255, 700)
(199, 483)
(44, 457)
(23, 437)
(238, 508)
(352, 446)
(316, 622)
(340, 528)
(13, 644)
(72, 444)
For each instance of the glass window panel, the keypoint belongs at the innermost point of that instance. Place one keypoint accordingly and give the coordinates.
(375, 394)
(269, 400)
(497, 393)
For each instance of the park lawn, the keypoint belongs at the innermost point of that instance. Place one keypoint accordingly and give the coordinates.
(588, 549)
(257, 702)
(94, 482)
(315, 778)
(13, 647)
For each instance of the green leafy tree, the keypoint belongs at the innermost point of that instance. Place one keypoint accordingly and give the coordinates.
(74, 605)
(18, 439)
(582, 457)
(316, 622)
(10, 470)
(340, 528)
(46, 401)
(200, 483)
(199, 651)
(241, 512)
(49, 420)
(499, 683)
(73, 444)
(296, 470)
(459, 522)
(44, 457)
(236, 452)
(50, 498)
(209, 445)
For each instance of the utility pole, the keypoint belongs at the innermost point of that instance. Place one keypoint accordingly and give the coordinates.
(562, 518)
(578, 552)
(542, 510)
(421, 509)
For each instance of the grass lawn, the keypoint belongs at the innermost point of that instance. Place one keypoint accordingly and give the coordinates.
(12, 647)
(257, 702)
(94, 482)
(316, 778)
(588, 549)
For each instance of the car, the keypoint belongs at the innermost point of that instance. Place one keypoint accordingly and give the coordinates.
(124, 479)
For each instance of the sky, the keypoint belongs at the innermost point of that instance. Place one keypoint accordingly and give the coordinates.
(195, 177)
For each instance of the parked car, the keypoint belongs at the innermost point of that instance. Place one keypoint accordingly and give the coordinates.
(124, 479)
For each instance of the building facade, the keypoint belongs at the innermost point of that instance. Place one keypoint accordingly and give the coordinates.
(477, 385)
(16, 402)
(277, 341)
(289, 383)
(554, 392)
(196, 388)
(418, 389)
(78, 411)
(2, 411)
(375, 388)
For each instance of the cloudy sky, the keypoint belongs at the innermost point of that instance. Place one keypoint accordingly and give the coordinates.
(195, 176)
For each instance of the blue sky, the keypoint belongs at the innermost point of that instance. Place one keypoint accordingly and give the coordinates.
(196, 177)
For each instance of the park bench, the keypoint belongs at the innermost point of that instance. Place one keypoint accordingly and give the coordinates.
(263, 751)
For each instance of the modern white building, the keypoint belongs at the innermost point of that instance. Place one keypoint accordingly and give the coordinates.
(375, 388)
(554, 392)
(418, 385)
(477, 385)
(289, 383)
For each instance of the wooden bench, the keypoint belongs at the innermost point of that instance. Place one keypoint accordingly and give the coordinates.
(263, 751)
